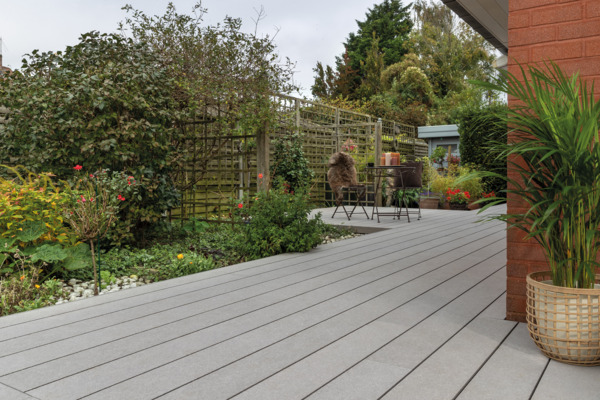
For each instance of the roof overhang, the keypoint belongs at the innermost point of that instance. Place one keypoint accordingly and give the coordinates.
(488, 17)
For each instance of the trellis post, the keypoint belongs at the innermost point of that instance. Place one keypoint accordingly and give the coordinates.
(378, 152)
(297, 106)
(262, 156)
(338, 145)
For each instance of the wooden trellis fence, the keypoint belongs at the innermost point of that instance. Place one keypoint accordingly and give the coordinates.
(223, 163)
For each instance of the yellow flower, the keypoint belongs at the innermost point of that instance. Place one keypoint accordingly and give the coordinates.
(179, 256)
(191, 262)
(37, 286)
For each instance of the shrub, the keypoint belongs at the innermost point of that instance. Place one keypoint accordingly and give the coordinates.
(158, 262)
(103, 103)
(31, 219)
(23, 291)
(481, 129)
(289, 163)
(458, 178)
(277, 222)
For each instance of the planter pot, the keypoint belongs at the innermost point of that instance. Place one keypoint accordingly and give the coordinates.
(564, 322)
(473, 206)
(429, 202)
(454, 206)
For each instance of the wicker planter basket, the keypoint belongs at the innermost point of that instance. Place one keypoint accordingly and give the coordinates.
(564, 322)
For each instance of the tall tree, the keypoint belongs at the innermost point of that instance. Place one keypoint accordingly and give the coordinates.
(325, 82)
(390, 23)
(372, 69)
(450, 51)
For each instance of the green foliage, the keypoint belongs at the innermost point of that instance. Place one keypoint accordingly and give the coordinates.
(372, 69)
(103, 103)
(438, 155)
(31, 220)
(325, 81)
(157, 263)
(411, 196)
(289, 163)
(380, 41)
(481, 129)
(22, 290)
(461, 178)
(390, 22)
(106, 278)
(31, 208)
(214, 66)
(555, 153)
(449, 50)
(425, 74)
(124, 199)
(277, 222)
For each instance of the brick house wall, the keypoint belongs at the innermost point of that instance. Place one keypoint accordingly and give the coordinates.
(567, 32)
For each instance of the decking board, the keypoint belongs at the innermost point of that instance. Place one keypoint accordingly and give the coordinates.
(378, 316)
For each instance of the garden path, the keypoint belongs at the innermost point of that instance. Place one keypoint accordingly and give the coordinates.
(415, 311)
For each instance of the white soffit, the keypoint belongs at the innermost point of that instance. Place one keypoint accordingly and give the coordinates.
(488, 17)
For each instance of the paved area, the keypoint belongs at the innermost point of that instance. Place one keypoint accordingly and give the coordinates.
(414, 311)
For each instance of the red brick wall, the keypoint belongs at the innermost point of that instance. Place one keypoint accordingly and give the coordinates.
(567, 32)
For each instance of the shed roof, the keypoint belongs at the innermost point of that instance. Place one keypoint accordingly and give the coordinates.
(438, 131)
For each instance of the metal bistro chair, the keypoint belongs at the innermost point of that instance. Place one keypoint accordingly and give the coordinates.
(359, 192)
(405, 179)
(342, 180)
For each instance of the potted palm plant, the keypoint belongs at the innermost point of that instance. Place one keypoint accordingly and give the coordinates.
(555, 153)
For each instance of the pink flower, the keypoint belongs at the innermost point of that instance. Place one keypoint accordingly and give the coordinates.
(82, 199)
(77, 167)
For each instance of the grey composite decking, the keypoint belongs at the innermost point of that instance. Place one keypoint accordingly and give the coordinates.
(415, 311)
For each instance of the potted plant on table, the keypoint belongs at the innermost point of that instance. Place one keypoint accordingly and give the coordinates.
(555, 153)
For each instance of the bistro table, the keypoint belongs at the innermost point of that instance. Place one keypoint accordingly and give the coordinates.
(378, 173)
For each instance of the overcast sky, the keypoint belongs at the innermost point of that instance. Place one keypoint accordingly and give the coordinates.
(309, 30)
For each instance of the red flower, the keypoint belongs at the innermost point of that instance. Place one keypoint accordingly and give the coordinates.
(240, 205)
(121, 198)
(77, 167)
(260, 176)
(91, 175)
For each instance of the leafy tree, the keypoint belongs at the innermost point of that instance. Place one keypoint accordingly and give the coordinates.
(450, 54)
(221, 75)
(103, 103)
